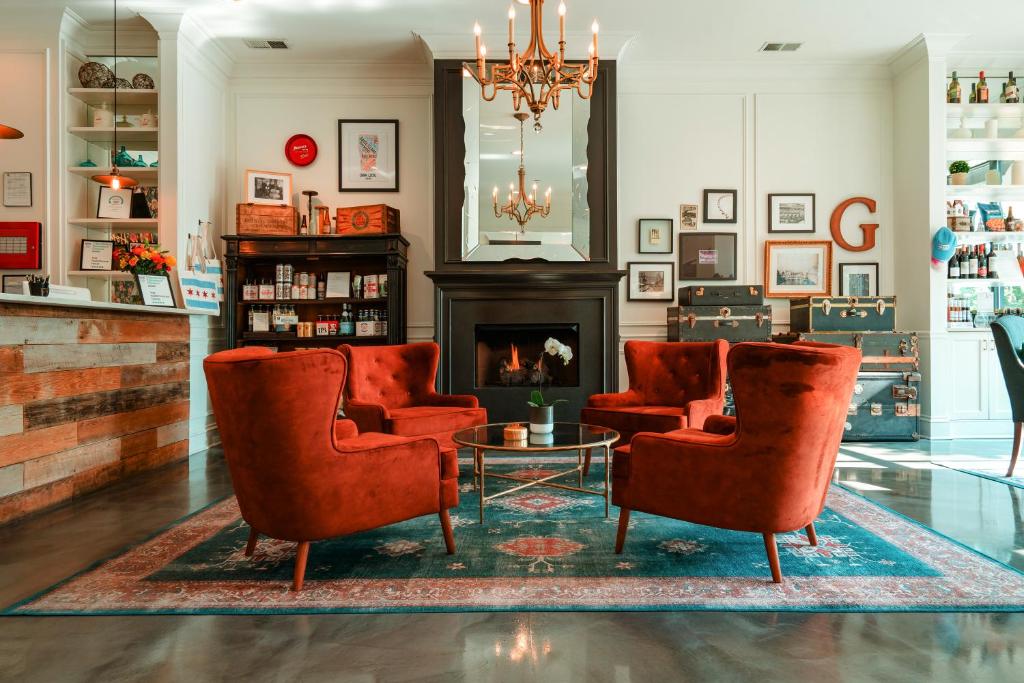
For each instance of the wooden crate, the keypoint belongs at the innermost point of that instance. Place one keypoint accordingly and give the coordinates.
(375, 219)
(262, 219)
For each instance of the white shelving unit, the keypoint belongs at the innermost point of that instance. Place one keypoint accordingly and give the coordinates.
(83, 141)
(986, 193)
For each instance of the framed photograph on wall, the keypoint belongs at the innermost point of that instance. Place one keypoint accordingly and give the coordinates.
(655, 236)
(687, 217)
(97, 255)
(858, 279)
(651, 281)
(268, 187)
(114, 204)
(791, 213)
(797, 268)
(707, 256)
(719, 206)
(368, 155)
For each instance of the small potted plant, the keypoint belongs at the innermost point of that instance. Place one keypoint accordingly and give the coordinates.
(542, 412)
(958, 171)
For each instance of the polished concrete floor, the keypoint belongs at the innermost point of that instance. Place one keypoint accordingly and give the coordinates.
(615, 647)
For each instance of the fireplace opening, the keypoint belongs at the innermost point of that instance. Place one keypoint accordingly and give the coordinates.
(512, 355)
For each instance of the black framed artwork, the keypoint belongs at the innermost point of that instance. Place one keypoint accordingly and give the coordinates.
(792, 213)
(97, 255)
(368, 155)
(719, 206)
(707, 256)
(858, 279)
(650, 281)
(654, 236)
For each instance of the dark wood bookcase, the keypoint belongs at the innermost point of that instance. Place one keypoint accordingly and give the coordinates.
(254, 257)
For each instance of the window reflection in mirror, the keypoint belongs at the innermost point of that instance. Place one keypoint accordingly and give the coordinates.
(554, 157)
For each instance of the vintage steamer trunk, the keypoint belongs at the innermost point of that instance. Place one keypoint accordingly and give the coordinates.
(843, 314)
(721, 295)
(263, 219)
(884, 407)
(375, 219)
(731, 323)
(879, 350)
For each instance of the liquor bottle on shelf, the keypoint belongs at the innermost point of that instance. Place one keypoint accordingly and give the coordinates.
(982, 262)
(953, 93)
(964, 264)
(1011, 92)
(991, 260)
(982, 88)
(954, 266)
(972, 265)
(973, 97)
(1002, 93)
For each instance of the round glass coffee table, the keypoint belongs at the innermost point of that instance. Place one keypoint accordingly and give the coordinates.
(566, 436)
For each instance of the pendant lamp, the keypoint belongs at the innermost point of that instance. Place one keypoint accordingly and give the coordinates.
(114, 179)
(9, 133)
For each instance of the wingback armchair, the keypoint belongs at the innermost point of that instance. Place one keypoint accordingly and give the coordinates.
(294, 478)
(767, 470)
(390, 389)
(1008, 332)
(672, 385)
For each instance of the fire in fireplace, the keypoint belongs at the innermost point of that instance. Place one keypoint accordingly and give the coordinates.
(513, 355)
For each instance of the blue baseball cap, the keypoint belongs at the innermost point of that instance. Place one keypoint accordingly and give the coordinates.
(943, 245)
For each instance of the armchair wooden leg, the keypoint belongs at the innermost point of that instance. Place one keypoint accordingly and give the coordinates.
(250, 547)
(586, 461)
(620, 538)
(301, 555)
(446, 529)
(812, 535)
(773, 557)
(1017, 427)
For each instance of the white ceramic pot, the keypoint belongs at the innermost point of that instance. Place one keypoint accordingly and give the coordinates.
(102, 117)
(992, 129)
(958, 179)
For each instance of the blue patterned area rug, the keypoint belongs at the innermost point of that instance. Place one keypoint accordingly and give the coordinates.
(543, 549)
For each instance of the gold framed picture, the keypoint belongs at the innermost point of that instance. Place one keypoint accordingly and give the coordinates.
(795, 268)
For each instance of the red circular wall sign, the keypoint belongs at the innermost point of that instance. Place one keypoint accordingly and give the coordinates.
(300, 149)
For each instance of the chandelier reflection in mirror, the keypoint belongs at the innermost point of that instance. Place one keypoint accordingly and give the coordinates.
(538, 75)
(522, 206)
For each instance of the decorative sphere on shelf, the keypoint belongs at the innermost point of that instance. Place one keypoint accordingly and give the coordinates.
(119, 83)
(94, 75)
(143, 82)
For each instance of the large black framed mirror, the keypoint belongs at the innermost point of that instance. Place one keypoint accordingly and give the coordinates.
(476, 152)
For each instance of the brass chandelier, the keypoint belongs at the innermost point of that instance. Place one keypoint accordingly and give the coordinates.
(522, 206)
(537, 75)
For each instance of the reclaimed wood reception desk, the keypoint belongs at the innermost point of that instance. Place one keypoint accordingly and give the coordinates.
(89, 392)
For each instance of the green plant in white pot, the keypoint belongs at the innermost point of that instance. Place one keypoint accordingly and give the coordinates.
(542, 412)
(958, 171)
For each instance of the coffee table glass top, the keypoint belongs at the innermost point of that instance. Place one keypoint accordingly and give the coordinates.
(564, 436)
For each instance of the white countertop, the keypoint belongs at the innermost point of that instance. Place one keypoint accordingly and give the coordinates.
(95, 305)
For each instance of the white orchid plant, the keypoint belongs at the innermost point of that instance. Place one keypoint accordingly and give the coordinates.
(552, 347)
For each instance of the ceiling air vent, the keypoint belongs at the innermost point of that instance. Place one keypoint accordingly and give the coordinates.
(266, 44)
(780, 47)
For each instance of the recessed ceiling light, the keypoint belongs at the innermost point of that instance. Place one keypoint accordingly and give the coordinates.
(266, 43)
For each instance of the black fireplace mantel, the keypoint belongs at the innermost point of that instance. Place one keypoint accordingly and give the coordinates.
(465, 299)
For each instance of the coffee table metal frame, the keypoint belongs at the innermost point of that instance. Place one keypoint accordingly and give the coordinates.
(480, 465)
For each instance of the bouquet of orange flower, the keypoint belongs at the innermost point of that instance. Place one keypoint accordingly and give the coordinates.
(143, 259)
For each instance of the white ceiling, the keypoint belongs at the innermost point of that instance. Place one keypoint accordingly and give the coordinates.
(864, 31)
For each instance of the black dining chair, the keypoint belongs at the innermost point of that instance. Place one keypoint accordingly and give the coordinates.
(1008, 332)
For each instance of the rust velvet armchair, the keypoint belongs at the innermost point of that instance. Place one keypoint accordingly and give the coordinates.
(672, 385)
(768, 469)
(295, 477)
(390, 389)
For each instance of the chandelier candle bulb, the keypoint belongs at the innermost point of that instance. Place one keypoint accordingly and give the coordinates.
(561, 25)
(511, 26)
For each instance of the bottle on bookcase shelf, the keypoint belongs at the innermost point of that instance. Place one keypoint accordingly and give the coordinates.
(974, 93)
(953, 93)
(982, 88)
(1011, 93)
